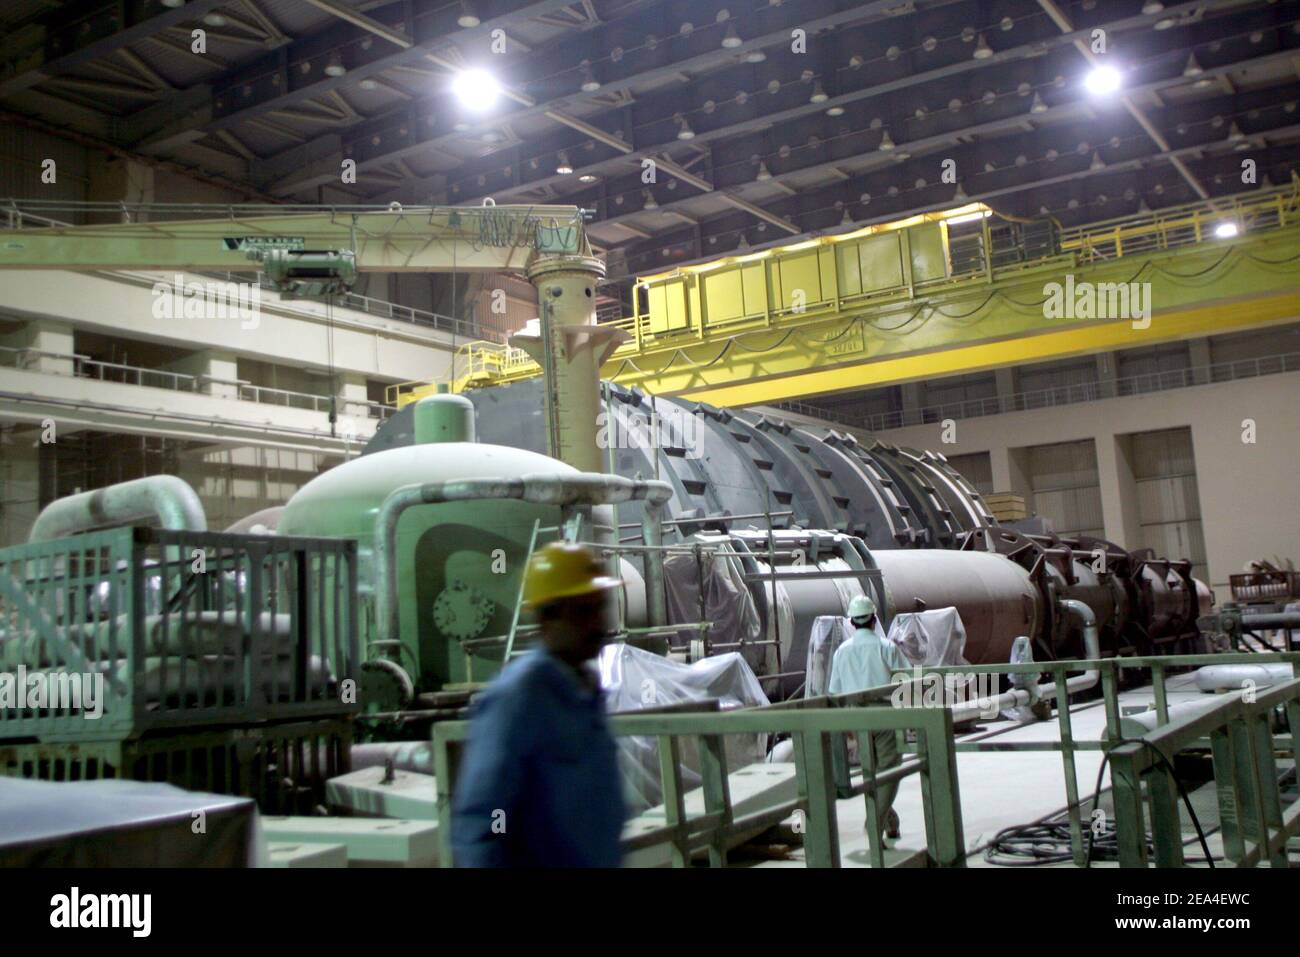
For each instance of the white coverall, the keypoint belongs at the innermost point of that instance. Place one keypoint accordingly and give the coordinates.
(868, 660)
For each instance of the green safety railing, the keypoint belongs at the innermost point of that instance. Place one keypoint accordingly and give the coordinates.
(175, 629)
(1254, 822)
(1129, 828)
(813, 725)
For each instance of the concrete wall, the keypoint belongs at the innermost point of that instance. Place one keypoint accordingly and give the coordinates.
(1248, 493)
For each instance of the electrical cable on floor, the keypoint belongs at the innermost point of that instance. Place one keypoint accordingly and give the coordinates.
(1048, 842)
(1096, 796)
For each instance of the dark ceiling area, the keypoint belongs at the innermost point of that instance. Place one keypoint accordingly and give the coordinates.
(690, 129)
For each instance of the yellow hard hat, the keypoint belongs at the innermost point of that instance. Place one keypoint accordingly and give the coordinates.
(564, 570)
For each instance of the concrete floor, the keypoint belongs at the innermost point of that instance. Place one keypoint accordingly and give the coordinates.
(1000, 789)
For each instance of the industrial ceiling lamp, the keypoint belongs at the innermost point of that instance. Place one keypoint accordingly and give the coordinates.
(173, 4)
(1234, 132)
(818, 94)
(1096, 163)
(755, 56)
(215, 20)
(835, 111)
(982, 50)
(764, 174)
(684, 131)
(1103, 81)
(334, 66)
(847, 220)
(1193, 68)
(743, 245)
(1038, 105)
(886, 141)
(648, 200)
(1226, 230)
(476, 89)
(589, 82)
(468, 19)
(959, 196)
(731, 39)
(1152, 7)
(562, 164)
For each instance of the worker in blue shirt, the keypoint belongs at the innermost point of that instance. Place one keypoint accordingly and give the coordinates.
(539, 784)
(870, 660)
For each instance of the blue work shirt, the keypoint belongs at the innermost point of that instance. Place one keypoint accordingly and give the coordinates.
(539, 783)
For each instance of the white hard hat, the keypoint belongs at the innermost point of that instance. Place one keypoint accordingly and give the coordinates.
(861, 607)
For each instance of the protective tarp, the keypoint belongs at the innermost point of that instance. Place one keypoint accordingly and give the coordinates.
(635, 680)
(728, 605)
(930, 638)
(112, 823)
(828, 633)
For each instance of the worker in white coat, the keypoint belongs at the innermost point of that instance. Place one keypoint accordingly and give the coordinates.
(869, 660)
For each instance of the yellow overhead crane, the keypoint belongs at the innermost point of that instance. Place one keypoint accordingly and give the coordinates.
(939, 294)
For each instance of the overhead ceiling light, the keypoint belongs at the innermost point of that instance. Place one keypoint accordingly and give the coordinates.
(649, 201)
(1226, 230)
(1097, 163)
(959, 196)
(215, 20)
(368, 84)
(755, 56)
(835, 111)
(1164, 23)
(1193, 68)
(468, 19)
(1038, 105)
(764, 174)
(731, 39)
(1152, 7)
(589, 82)
(847, 220)
(173, 4)
(562, 164)
(1234, 132)
(982, 50)
(586, 178)
(886, 142)
(334, 66)
(1103, 81)
(818, 94)
(743, 245)
(476, 89)
(684, 131)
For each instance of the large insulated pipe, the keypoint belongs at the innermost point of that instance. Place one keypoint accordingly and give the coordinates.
(561, 490)
(165, 499)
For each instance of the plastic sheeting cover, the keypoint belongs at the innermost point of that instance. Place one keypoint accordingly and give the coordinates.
(828, 633)
(728, 605)
(930, 638)
(634, 680)
(123, 824)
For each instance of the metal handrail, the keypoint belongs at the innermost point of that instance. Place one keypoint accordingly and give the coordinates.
(84, 367)
(812, 726)
(1060, 395)
(1256, 825)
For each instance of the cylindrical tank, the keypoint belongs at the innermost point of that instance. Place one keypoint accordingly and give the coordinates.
(458, 564)
(996, 598)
